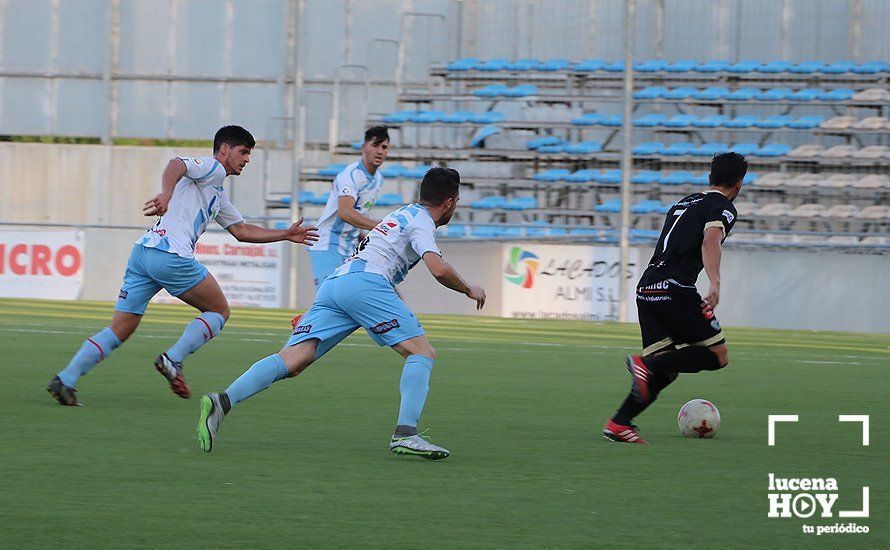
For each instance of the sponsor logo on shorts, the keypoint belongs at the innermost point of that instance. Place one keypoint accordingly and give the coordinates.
(384, 327)
(303, 329)
(122, 295)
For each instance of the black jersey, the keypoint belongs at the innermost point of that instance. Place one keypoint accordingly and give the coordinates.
(678, 252)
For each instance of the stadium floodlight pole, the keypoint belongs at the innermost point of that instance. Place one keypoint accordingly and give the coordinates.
(627, 127)
(298, 140)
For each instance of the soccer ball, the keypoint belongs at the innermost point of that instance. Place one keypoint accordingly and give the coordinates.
(699, 419)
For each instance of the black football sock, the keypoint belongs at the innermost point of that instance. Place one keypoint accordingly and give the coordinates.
(631, 408)
(690, 359)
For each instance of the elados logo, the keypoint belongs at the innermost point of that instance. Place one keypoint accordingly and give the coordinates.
(522, 267)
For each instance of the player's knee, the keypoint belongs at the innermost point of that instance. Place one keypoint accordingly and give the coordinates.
(224, 312)
(431, 353)
(722, 354)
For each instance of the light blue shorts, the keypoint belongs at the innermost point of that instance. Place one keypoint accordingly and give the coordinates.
(354, 300)
(149, 270)
(324, 262)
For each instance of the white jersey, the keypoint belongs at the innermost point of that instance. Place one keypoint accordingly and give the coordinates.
(356, 182)
(197, 198)
(395, 245)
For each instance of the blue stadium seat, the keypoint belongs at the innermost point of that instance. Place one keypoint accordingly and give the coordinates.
(646, 207)
(610, 176)
(417, 172)
(652, 119)
(871, 67)
(588, 119)
(701, 179)
(542, 141)
(678, 149)
(644, 235)
(742, 121)
(652, 92)
(682, 66)
(648, 148)
(750, 177)
(427, 117)
(683, 92)
(584, 147)
(488, 117)
(775, 67)
(838, 94)
(400, 116)
(465, 64)
(806, 122)
(807, 94)
(487, 231)
(484, 133)
(392, 170)
(711, 121)
(453, 230)
(492, 65)
(712, 67)
(650, 65)
(773, 150)
(744, 67)
(457, 117)
(614, 67)
(553, 65)
(679, 177)
(583, 176)
(838, 67)
(680, 121)
(489, 203)
(709, 149)
(644, 177)
(807, 67)
(610, 206)
(775, 94)
(492, 90)
(775, 121)
(304, 196)
(522, 90)
(612, 120)
(713, 92)
(332, 169)
(743, 94)
(744, 148)
(320, 199)
(554, 149)
(389, 199)
(589, 65)
(522, 203)
(522, 65)
(554, 174)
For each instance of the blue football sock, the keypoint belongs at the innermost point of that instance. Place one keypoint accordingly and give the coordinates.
(196, 334)
(94, 349)
(414, 386)
(258, 377)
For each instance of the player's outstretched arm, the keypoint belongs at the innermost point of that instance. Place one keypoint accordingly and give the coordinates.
(297, 233)
(174, 171)
(346, 211)
(449, 277)
(710, 255)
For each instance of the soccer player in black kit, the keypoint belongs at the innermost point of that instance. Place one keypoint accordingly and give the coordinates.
(679, 329)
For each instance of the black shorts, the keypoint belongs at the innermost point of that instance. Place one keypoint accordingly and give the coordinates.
(671, 317)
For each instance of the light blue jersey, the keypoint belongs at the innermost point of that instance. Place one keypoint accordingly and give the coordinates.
(354, 181)
(395, 246)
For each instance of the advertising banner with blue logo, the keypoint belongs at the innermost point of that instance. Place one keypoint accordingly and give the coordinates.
(567, 282)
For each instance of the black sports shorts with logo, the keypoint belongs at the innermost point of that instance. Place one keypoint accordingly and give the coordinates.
(671, 318)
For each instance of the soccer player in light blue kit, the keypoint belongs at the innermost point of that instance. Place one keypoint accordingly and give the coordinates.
(361, 293)
(192, 195)
(353, 193)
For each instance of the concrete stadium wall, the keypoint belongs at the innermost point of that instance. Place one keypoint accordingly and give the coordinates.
(789, 289)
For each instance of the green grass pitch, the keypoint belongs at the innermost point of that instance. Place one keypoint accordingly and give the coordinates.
(519, 403)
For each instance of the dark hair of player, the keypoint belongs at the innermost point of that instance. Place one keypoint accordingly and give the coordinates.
(233, 136)
(439, 185)
(377, 134)
(727, 169)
